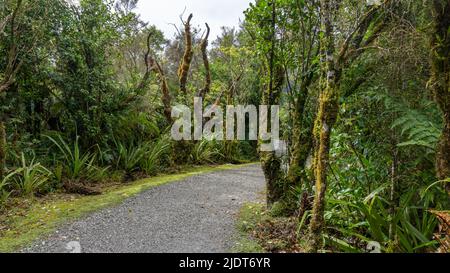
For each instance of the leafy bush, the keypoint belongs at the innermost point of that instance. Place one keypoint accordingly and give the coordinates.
(371, 220)
(4, 192)
(31, 176)
(206, 152)
(128, 157)
(77, 165)
(151, 162)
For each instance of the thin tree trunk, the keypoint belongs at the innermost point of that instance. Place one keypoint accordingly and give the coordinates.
(328, 109)
(204, 48)
(271, 163)
(325, 119)
(183, 149)
(302, 144)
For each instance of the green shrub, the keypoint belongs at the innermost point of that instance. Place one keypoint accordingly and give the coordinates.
(31, 177)
(206, 152)
(4, 191)
(152, 161)
(77, 165)
(371, 220)
(128, 156)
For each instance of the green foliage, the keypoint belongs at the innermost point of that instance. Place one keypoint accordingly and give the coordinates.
(31, 177)
(78, 72)
(128, 157)
(4, 188)
(360, 219)
(250, 215)
(206, 152)
(77, 165)
(136, 127)
(418, 129)
(153, 160)
(147, 156)
(80, 78)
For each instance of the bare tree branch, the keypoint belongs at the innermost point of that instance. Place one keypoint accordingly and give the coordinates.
(183, 70)
(204, 49)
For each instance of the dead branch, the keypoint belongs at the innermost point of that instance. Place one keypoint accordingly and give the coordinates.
(165, 98)
(183, 69)
(152, 65)
(146, 76)
(204, 49)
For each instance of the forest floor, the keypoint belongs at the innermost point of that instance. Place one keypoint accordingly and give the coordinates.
(196, 214)
(265, 230)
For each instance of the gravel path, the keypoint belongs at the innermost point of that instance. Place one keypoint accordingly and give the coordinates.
(196, 214)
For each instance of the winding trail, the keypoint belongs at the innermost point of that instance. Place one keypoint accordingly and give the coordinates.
(195, 215)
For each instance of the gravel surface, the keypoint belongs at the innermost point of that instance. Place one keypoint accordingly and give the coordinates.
(195, 215)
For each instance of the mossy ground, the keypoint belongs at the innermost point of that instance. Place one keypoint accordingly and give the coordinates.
(23, 224)
(260, 231)
(249, 216)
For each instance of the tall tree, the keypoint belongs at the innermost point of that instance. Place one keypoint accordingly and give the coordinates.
(16, 41)
(367, 29)
(440, 80)
(271, 162)
(301, 65)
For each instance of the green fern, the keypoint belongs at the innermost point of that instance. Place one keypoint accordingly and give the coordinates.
(418, 129)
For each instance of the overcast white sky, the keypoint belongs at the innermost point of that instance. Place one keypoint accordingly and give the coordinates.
(216, 13)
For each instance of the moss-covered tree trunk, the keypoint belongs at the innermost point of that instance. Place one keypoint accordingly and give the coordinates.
(182, 149)
(2, 149)
(183, 70)
(271, 163)
(324, 122)
(301, 148)
(367, 30)
(301, 142)
(440, 80)
(328, 109)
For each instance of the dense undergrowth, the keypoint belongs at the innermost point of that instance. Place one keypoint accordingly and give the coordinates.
(86, 93)
(78, 115)
(27, 219)
(365, 120)
(81, 111)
